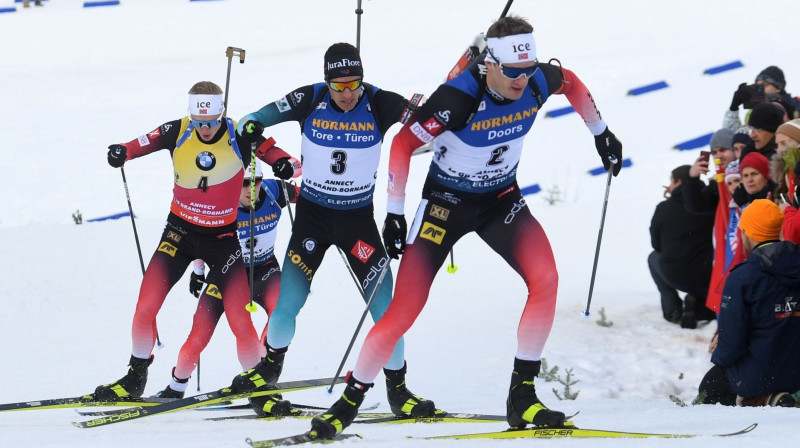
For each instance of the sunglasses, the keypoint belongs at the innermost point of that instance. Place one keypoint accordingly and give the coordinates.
(340, 86)
(206, 124)
(515, 73)
(246, 182)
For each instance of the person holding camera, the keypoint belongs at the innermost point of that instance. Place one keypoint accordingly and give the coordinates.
(769, 86)
(763, 121)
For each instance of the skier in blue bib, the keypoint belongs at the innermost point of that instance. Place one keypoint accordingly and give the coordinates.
(343, 121)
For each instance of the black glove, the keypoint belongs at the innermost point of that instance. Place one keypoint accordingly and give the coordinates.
(283, 169)
(252, 130)
(740, 96)
(607, 145)
(196, 283)
(740, 196)
(117, 155)
(394, 233)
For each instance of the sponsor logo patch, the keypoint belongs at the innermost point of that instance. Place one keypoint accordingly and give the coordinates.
(421, 133)
(310, 245)
(439, 212)
(362, 251)
(283, 105)
(143, 140)
(174, 236)
(167, 248)
(432, 232)
(213, 291)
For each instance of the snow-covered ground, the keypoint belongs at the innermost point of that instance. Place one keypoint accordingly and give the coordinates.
(76, 80)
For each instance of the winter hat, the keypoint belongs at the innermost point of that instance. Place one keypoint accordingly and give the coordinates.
(342, 59)
(248, 172)
(742, 135)
(774, 76)
(790, 129)
(732, 171)
(761, 221)
(766, 116)
(723, 138)
(755, 160)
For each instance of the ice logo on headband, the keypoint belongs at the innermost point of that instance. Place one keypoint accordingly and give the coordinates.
(206, 105)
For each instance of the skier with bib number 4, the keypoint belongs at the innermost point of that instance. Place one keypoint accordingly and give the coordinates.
(342, 121)
(208, 172)
(477, 122)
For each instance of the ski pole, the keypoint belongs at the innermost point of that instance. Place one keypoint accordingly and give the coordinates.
(505, 10)
(198, 373)
(613, 161)
(359, 11)
(229, 53)
(135, 233)
(360, 322)
(452, 268)
(251, 241)
(288, 204)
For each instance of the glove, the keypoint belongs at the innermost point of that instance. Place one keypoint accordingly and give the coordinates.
(283, 169)
(740, 96)
(117, 155)
(740, 196)
(607, 145)
(252, 130)
(196, 284)
(394, 233)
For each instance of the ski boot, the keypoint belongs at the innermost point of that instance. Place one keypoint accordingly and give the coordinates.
(271, 405)
(523, 406)
(265, 373)
(689, 318)
(779, 399)
(175, 389)
(129, 386)
(401, 400)
(342, 413)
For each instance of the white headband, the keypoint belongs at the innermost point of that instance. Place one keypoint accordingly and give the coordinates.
(205, 105)
(511, 49)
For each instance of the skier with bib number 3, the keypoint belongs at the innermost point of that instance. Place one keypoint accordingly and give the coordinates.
(485, 111)
(342, 121)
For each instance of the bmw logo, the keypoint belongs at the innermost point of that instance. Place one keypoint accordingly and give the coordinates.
(206, 161)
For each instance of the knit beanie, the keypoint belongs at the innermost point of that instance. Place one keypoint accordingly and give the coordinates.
(774, 76)
(742, 135)
(790, 129)
(723, 138)
(766, 116)
(732, 171)
(342, 60)
(761, 221)
(755, 160)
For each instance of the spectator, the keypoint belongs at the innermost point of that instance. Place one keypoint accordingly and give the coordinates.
(764, 121)
(769, 86)
(740, 140)
(682, 255)
(27, 3)
(732, 179)
(787, 139)
(757, 355)
(714, 198)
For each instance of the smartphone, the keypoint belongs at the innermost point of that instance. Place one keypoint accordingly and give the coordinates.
(705, 155)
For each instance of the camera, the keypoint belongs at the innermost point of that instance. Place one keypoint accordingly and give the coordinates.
(756, 95)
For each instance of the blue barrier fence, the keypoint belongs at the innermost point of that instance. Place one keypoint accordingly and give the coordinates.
(114, 216)
(626, 163)
(530, 189)
(100, 3)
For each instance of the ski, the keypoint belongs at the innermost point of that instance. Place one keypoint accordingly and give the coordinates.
(163, 400)
(551, 433)
(298, 439)
(203, 400)
(74, 402)
(440, 417)
(298, 410)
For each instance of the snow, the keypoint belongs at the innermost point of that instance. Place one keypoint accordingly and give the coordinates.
(77, 80)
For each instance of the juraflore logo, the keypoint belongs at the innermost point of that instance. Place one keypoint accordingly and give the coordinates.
(344, 63)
